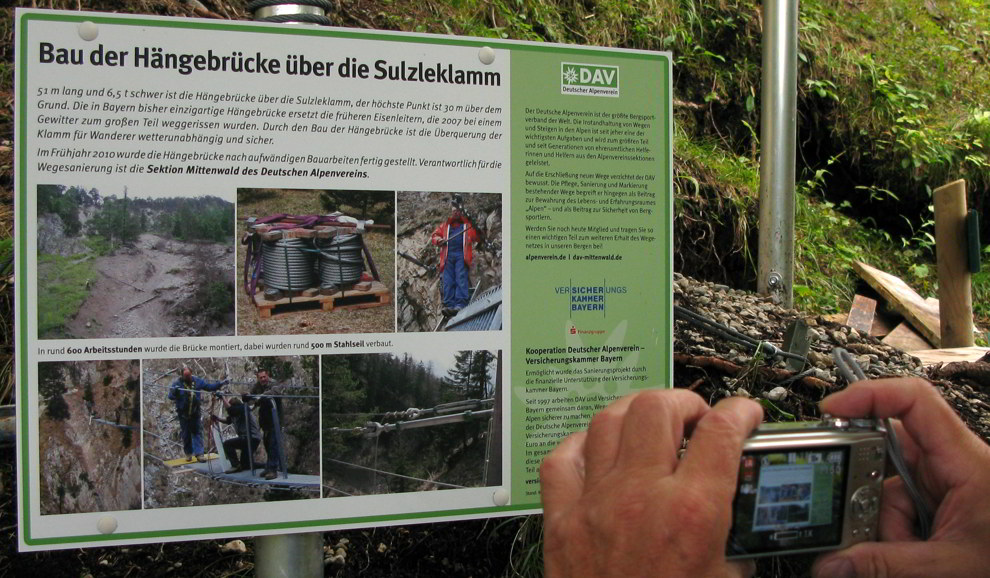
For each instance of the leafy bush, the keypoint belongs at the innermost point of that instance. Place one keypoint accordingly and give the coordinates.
(216, 299)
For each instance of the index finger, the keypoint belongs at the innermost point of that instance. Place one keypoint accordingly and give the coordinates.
(927, 418)
(716, 445)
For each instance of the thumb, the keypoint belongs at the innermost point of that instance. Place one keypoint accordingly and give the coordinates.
(882, 559)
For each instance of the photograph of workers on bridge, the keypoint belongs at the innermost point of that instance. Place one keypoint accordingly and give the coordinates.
(411, 422)
(315, 261)
(449, 266)
(89, 443)
(230, 430)
(119, 263)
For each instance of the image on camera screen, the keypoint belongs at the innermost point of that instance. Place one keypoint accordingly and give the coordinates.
(790, 500)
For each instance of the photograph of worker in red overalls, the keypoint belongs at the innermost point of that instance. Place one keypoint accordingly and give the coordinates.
(456, 238)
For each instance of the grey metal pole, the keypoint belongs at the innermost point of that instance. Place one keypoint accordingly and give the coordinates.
(289, 555)
(778, 133)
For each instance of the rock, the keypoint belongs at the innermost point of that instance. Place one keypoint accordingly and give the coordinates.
(820, 359)
(235, 546)
(777, 394)
(741, 392)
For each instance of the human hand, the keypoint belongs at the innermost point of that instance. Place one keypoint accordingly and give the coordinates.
(951, 467)
(618, 502)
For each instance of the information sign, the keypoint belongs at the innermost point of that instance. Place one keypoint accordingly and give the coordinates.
(281, 279)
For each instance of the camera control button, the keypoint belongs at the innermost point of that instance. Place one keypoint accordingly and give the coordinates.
(865, 503)
(875, 475)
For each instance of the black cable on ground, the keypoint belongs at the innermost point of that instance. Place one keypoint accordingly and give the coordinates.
(729, 334)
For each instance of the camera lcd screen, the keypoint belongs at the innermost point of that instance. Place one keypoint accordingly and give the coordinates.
(789, 500)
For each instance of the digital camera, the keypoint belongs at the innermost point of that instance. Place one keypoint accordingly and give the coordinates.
(807, 487)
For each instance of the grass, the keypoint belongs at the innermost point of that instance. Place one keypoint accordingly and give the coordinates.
(62, 289)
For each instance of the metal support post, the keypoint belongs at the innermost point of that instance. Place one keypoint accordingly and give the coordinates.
(289, 555)
(279, 443)
(778, 134)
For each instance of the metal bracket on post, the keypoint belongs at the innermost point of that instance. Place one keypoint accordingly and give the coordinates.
(796, 341)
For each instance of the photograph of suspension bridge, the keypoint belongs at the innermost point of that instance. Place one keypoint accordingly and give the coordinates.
(410, 422)
(230, 430)
(315, 261)
(90, 454)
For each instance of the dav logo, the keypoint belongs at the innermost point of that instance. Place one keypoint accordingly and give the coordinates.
(589, 79)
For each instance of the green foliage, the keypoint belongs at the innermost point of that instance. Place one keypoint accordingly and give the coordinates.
(51, 386)
(116, 221)
(63, 285)
(199, 219)
(215, 298)
(65, 203)
(471, 376)
(99, 246)
(981, 292)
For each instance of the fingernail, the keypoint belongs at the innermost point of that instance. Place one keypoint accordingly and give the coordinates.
(836, 568)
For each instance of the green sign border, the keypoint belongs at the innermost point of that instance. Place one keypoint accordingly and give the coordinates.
(24, 17)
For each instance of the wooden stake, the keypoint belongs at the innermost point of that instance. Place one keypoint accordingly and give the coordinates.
(954, 279)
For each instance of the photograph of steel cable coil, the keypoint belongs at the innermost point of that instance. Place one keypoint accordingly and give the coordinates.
(449, 266)
(315, 261)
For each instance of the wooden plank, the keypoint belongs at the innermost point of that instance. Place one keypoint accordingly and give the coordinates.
(883, 325)
(905, 338)
(905, 300)
(952, 255)
(933, 356)
(375, 296)
(861, 313)
(184, 462)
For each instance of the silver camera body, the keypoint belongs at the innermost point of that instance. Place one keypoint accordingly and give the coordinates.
(808, 487)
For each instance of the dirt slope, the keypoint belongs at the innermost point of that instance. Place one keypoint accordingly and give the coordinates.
(140, 290)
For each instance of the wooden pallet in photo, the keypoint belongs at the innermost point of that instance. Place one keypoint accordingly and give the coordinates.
(375, 296)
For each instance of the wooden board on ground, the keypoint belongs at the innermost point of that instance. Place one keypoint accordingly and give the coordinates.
(376, 296)
(933, 356)
(905, 338)
(884, 324)
(905, 300)
(185, 462)
(861, 313)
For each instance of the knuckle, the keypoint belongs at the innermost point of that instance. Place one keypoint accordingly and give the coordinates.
(720, 424)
